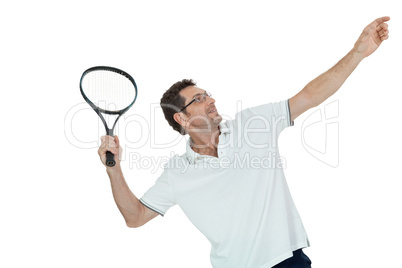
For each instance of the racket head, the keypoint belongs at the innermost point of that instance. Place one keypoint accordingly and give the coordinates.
(108, 89)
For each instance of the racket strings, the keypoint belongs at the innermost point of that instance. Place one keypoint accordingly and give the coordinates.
(108, 90)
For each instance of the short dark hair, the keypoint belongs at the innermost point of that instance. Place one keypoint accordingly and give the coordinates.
(172, 102)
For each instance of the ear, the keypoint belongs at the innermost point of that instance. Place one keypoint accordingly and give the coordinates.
(181, 119)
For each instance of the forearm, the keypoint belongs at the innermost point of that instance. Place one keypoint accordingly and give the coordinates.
(329, 82)
(126, 201)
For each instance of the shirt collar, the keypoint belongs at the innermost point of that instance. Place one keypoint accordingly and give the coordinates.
(192, 156)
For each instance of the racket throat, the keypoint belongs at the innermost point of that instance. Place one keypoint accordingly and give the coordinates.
(110, 131)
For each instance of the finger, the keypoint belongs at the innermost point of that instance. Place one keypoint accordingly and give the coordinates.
(385, 37)
(376, 23)
(103, 143)
(383, 32)
(103, 147)
(111, 147)
(382, 26)
(108, 144)
(102, 151)
(111, 144)
(110, 140)
(117, 141)
(114, 150)
(381, 20)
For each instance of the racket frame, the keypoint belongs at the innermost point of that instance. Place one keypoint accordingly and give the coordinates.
(99, 111)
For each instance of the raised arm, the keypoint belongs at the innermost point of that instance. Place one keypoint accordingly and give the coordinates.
(325, 85)
(133, 211)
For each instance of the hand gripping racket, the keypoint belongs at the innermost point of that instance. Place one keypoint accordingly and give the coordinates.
(111, 91)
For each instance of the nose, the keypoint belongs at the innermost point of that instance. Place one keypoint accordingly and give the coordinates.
(210, 100)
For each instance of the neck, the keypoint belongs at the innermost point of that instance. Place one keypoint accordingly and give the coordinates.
(205, 143)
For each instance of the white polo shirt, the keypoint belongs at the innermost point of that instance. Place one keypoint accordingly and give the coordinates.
(239, 200)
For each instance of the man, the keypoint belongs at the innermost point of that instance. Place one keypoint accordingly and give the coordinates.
(230, 181)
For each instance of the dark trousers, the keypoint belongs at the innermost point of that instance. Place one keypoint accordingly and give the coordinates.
(299, 260)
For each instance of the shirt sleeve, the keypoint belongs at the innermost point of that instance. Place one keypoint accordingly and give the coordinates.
(269, 118)
(291, 122)
(159, 197)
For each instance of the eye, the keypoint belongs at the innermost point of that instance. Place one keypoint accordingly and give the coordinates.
(198, 98)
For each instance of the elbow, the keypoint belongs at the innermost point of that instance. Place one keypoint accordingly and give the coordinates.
(135, 220)
(133, 224)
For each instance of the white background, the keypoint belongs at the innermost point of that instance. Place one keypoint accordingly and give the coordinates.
(57, 209)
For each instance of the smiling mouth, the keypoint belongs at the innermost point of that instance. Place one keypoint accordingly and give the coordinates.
(212, 111)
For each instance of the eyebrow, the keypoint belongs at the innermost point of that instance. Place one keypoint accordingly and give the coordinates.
(198, 94)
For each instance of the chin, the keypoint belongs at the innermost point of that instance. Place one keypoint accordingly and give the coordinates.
(217, 119)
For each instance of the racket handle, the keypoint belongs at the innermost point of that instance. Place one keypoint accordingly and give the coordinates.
(110, 162)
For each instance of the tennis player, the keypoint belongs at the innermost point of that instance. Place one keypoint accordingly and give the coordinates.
(230, 182)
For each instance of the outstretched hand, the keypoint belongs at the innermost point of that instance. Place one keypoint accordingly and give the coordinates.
(372, 37)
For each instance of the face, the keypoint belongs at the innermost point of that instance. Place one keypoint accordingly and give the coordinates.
(200, 115)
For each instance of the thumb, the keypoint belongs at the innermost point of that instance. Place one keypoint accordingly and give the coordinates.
(373, 26)
(381, 20)
(117, 141)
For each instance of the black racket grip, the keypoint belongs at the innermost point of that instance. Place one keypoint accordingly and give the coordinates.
(110, 162)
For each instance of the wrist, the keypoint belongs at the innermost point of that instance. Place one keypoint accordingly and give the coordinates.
(113, 171)
(356, 54)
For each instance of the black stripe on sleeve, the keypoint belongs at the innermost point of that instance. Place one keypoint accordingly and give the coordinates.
(152, 208)
(291, 122)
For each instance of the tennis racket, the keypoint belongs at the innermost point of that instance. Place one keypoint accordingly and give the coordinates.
(110, 91)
